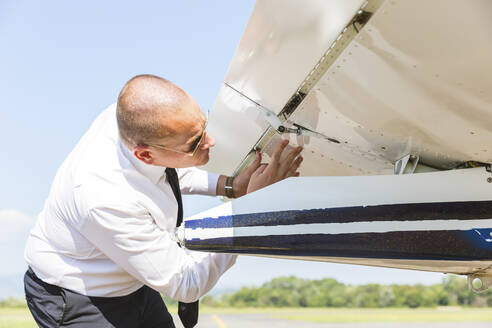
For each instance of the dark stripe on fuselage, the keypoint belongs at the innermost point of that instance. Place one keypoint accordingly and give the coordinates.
(395, 212)
(411, 245)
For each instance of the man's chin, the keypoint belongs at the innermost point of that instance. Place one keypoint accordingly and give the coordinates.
(206, 158)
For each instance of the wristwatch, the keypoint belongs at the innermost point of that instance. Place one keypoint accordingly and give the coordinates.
(228, 187)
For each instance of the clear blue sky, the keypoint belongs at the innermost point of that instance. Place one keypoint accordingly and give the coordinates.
(63, 62)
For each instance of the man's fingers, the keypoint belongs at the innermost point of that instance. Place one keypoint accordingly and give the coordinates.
(278, 151)
(291, 156)
(298, 162)
(260, 169)
(293, 168)
(255, 164)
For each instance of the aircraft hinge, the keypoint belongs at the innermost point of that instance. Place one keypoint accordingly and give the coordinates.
(406, 165)
(276, 122)
(362, 18)
(300, 130)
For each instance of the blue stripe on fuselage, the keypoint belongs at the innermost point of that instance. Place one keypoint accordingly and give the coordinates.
(430, 245)
(471, 210)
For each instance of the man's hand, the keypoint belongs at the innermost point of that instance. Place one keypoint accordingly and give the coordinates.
(262, 175)
(257, 175)
(241, 181)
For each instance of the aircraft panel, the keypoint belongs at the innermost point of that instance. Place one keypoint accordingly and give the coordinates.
(416, 79)
(236, 124)
(282, 42)
(409, 84)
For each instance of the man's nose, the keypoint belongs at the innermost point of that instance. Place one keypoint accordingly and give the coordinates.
(209, 142)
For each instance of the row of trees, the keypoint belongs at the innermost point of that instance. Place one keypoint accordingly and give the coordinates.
(296, 292)
(12, 302)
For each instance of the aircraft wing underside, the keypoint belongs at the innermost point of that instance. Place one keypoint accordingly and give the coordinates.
(380, 79)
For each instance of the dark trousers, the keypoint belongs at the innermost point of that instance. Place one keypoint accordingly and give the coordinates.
(53, 306)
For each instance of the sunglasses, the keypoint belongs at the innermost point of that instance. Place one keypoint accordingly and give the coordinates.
(194, 147)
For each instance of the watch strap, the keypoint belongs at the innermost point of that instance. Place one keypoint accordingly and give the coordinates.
(229, 192)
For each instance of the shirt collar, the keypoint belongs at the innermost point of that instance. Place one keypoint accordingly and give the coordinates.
(153, 172)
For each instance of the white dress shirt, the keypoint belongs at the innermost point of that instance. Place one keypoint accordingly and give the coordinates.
(106, 227)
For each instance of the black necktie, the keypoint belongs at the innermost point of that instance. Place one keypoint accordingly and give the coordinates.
(188, 312)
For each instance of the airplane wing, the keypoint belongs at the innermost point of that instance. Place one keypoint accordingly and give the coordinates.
(369, 89)
(384, 78)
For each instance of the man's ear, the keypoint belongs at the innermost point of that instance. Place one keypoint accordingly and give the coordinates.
(144, 154)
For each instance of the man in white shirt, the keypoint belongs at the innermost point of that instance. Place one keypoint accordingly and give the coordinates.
(103, 247)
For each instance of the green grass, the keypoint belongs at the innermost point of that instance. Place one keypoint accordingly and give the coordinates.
(16, 318)
(21, 317)
(344, 315)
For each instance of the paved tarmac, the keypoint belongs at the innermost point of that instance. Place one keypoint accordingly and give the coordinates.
(266, 321)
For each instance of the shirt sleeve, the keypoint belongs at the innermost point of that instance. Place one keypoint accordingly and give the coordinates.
(196, 181)
(128, 235)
